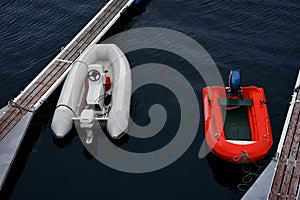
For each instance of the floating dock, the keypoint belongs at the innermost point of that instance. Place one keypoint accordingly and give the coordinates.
(16, 116)
(281, 178)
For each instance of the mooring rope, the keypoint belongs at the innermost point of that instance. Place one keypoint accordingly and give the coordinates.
(247, 179)
(242, 158)
(247, 169)
(19, 107)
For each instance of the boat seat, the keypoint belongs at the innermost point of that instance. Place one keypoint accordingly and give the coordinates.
(95, 84)
(235, 102)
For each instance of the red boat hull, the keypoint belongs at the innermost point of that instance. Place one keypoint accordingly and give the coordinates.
(237, 151)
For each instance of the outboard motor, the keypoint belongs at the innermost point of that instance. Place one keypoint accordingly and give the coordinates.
(234, 81)
(87, 122)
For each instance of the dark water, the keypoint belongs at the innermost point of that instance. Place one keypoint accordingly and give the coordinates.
(260, 38)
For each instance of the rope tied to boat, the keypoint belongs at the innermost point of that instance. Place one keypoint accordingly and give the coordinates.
(242, 158)
(248, 179)
(31, 109)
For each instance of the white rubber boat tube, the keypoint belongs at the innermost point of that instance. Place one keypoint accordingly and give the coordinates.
(68, 102)
(118, 118)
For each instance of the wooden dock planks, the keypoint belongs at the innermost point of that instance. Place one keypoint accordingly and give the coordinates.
(287, 177)
(30, 97)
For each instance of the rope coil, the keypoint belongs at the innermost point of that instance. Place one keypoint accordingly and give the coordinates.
(247, 169)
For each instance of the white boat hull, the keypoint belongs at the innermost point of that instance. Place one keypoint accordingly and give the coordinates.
(73, 98)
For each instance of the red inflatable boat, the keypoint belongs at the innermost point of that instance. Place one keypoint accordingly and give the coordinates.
(237, 124)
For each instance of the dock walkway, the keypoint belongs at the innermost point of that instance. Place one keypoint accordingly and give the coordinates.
(28, 101)
(287, 176)
(281, 179)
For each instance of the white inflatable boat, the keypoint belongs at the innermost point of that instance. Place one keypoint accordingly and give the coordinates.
(98, 87)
